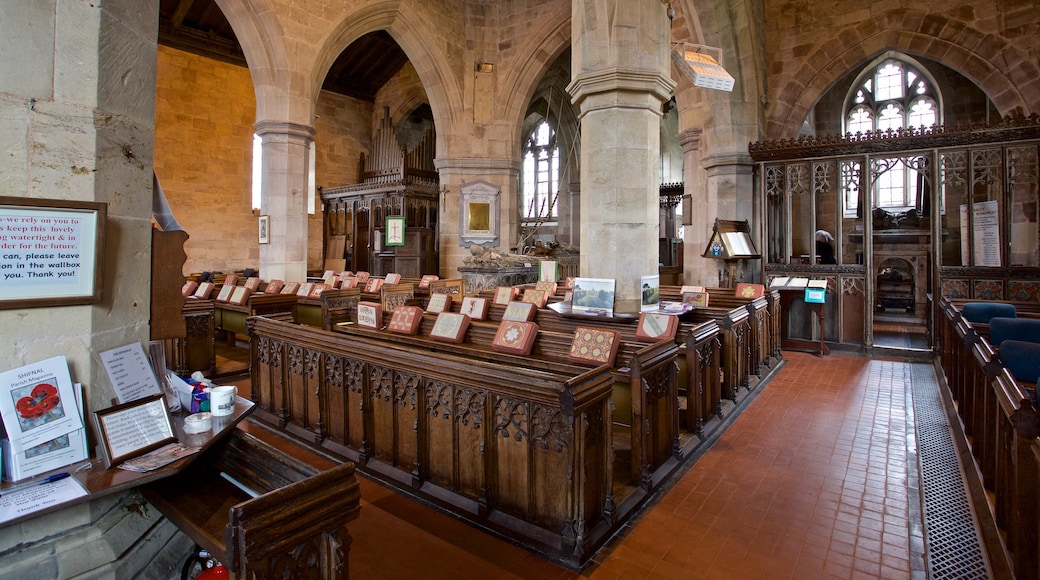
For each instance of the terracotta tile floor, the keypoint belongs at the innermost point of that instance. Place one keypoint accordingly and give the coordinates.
(808, 482)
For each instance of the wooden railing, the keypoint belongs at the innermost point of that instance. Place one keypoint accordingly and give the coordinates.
(1001, 424)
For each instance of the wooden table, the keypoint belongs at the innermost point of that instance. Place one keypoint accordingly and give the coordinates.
(100, 482)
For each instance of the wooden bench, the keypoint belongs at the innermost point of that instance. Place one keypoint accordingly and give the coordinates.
(521, 449)
(197, 350)
(231, 318)
(279, 515)
(1002, 426)
(700, 360)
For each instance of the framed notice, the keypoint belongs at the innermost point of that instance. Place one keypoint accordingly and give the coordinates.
(131, 429)
(395, 230)
(50, 252)
(264, 229)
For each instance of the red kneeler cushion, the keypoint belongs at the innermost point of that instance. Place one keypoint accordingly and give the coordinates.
(515, 337)
(405, 320)
(596, 346)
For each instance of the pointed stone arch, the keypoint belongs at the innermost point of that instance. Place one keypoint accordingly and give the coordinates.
(432, 66)
(262, 44)
(535, 58)
(953, 43)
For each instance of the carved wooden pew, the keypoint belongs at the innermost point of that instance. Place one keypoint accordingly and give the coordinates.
(294, 522)
(231, 318)
(522, 449)
(644, 375)
(1002, 425)
(699, 360)
(196, 351)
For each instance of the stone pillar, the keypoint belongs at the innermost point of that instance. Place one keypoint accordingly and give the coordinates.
(454, 172)
(621, 66)
(700, 207)
(284, 191)
(731, 181)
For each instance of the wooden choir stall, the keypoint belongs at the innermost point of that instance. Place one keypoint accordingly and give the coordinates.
(394, 183)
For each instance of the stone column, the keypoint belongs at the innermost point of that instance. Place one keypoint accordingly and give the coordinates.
(454, 172)
(700, 208)
(730, 178)
(620, 64)
(284, 191)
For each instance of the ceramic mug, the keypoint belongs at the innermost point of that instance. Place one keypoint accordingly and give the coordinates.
(222, 400)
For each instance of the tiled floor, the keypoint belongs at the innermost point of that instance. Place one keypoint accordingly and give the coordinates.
(810, 481)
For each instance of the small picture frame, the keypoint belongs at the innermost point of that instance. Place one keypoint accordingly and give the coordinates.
(394, 231)
(593, 295)
(135, 428)
(264, 229)
(547, 270)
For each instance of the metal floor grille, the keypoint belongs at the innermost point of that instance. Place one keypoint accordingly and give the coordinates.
(953, 544)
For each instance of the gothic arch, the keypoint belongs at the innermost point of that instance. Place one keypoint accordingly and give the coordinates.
(433, 68)
(951, 42)
(534, 58)
(262, 44)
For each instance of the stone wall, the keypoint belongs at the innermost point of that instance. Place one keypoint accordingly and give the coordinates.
(204, 117)
(205, 110)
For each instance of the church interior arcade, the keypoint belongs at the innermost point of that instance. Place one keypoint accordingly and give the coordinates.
(889, 153)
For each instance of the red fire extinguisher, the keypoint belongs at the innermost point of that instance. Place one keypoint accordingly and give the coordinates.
(217, 572)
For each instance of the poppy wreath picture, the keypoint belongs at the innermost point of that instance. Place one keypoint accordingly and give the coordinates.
(38, 406)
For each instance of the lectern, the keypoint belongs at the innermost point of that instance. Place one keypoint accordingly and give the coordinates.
(731, 242)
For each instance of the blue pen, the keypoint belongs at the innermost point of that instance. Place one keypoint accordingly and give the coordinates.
(44, 481)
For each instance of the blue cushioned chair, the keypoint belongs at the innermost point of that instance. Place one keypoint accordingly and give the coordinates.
(1023, 329)
(1022, 359)
(249, 272)
(982, 312)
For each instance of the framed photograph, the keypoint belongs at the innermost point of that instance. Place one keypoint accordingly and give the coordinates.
(53, 252)
(649, 292)
(593, 295)
(131, 429)
(394, 231)
(264, 227)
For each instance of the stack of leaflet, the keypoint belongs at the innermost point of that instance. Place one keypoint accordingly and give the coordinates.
(42, 412)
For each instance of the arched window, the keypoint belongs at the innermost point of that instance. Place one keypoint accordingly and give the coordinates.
(892, 95)
(541, 177)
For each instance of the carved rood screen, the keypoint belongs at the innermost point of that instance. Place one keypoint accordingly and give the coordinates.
(973, 189)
